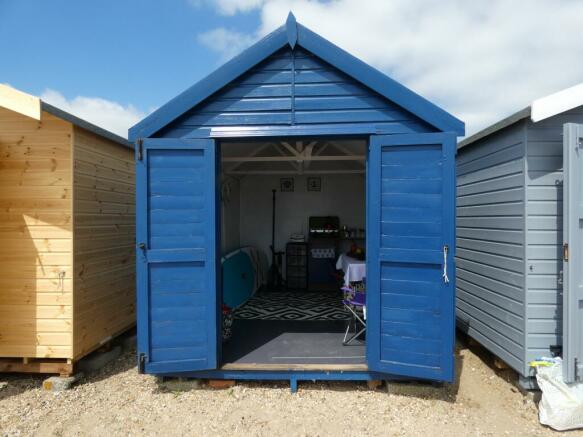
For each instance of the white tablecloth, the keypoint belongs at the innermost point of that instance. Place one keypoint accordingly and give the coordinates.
(354, 270)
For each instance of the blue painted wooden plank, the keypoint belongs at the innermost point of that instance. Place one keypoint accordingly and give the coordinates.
(410, 271)
(178, 229)
(410, 316)
(194, 284)
(400, 286)
(327, 103)
(431, 155)
(420, 256)
(261, 77)
(247, 104)
(411, 228)
(176, 159)
(178, 328)
(171, 175)
(179, 366)
(348, 116)
(407, 359)
(425, 329)
(180, 354)
(176, 202)
(389, 213)
(320, 130)
(164, 314)
(422, 346)
(167, 242)
(185, 187)
(238, 118)
(417, 186)
(412, 171)
(180, 340)
(175, 271)
(164, 216)
(255, 91)
(404, 301)
(411, 242)
(178, 255)
(334, 89)
(411, 200)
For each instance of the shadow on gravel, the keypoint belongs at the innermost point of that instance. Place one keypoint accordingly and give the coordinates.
(13, 384)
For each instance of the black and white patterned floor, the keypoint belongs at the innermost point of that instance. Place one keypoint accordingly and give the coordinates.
(293, 305)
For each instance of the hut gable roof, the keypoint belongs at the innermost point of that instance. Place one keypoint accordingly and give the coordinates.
(293, 36)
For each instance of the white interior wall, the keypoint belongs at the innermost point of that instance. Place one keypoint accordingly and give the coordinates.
(342, 195)
(230, 214)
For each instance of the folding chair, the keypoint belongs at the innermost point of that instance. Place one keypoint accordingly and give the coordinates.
(355, 302)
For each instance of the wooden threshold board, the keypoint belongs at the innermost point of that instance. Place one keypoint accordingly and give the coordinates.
(286, 367)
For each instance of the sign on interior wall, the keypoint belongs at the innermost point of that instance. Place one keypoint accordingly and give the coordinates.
(314, 184)
(286, 184)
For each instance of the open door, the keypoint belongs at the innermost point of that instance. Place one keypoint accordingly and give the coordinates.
(176, 255)
(410, 255)
(572, 252)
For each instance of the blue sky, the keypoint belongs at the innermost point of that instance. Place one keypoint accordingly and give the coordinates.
(113, 62)
(139, 52)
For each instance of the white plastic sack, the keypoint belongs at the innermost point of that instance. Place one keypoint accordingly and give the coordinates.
(561, 405)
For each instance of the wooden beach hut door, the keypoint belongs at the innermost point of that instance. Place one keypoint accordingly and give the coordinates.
(410, 255)
(176, 257)
(572, 252)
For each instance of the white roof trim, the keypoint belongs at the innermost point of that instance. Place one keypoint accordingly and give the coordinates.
(557, 103)
(17, 101)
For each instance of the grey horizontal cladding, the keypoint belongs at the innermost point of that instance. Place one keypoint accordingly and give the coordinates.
(503, 182)
(544, 179)
(513, 250)
(488, 288)
(490, 242)
(508, 351)
(496, 235)
(508, 154)
(484, 175)
(502, 223)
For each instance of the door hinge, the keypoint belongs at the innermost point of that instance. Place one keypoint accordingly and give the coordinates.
(140, 149)
(578, 370)
(142, 360)
(565, 252)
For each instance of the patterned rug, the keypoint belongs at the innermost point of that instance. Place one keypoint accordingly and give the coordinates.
(293, 305)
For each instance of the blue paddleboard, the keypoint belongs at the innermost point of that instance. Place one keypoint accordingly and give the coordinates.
(238, 278)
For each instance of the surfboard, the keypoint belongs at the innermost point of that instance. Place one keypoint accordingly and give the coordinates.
(238, 277)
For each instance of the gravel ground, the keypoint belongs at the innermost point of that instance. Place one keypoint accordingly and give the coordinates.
(118, 401)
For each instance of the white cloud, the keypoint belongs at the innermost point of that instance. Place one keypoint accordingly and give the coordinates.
(230, 7)
(226, 42)
(480, 61)
(104, 113)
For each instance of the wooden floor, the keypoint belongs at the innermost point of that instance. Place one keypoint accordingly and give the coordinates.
(291, 345)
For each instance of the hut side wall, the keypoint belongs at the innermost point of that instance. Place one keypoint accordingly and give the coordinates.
(35, 237)
(490, 243)
(544, 238)
(104, 246)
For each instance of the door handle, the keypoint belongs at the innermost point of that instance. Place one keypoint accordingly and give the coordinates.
(142, 246)
(445, 252)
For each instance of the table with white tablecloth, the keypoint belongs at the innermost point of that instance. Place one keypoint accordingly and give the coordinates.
(354, 269)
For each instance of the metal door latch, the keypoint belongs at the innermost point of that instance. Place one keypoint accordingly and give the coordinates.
(565, 252)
